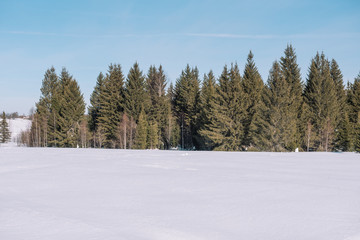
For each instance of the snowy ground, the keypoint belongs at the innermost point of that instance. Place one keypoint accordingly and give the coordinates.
(93, 194)
(16, 126)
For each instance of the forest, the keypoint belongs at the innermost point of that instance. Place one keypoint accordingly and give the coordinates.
(232, 112)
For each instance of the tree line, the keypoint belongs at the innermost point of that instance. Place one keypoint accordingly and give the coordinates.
(232, 112)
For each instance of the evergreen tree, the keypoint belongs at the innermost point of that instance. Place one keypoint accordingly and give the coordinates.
(112, 103)
(141, 131)
(70, 108)
(94, 108)
(275, 122)
(354, 113)
(155, 88)
(135, 95)
(224, 110)
(252, 86)
(186, 106)
(5, 134)
(342, 137)
(320, 96)
(291, 72)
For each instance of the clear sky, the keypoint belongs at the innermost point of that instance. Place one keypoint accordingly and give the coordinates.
(86, 36)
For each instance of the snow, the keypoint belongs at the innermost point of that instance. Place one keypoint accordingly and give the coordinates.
(16, 126)
(122, 194)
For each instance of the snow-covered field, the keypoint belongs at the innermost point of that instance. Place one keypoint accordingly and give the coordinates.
(57, 194)
(16, 126)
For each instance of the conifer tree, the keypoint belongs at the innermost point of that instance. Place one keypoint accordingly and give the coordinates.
(5, 134)
(354, 113)
(70, 110)
(141, 131)
(291, 72)
(186, 106)
(320, 96)
(155, 88)
(135, 96)
(275, 122)
(223, 129)
(94, 108)
(112, 102)
(252, 86)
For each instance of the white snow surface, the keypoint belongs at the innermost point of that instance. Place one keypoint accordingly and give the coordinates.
(16, 126)
(90, 194)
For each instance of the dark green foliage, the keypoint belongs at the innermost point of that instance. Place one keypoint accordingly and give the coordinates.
(111, 100)
(252, 86)
(222, 129)
(69, 107)
(159, 105)
(135, 95)
(141, 132)
(186, 105)
(5, 134)
(95, 105)
(276, 123)
(320, 96)
(291, 72)
(354, 113)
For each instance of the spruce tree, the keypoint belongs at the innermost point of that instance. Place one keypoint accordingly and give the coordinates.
(112, 102)
(354, 113)
(223, 130)
(320, 96)
(186, 106)
(70, 110)
(141, 131)
(94, 108)
(291, 72)
(5, 134)
(342, 137)
(155, 88)
(275, 122)
(252, 86)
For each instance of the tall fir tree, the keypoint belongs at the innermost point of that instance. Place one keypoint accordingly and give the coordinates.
(252, 86)
(5, 134)
(112, 102)
(320, 96)
(291, 72)
(186, 106)
(342, 137)
(94, 108)
(70, 109)
(354, 113)
(156, 90)
(275, 122)
(141, 131)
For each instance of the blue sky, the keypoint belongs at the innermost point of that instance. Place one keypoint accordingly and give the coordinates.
(86, 36)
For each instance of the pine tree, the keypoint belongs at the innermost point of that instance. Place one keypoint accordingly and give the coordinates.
(320, 96)
(94, 108)
(252, 86)
(275, 122)
(186, 106)
(155, 88)
(291, 72)
(354, 113)
(70, 110)
(112, 103)
(5, 134)
(223, 130)
(42, 127)
(141, 131)
(342, 137)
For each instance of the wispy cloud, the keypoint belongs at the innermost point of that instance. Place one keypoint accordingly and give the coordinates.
(203, 35)
(269, 36)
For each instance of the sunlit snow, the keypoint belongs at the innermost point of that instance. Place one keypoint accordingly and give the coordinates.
(122, 194)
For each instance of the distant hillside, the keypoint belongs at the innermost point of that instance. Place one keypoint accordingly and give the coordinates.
(16, 126)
